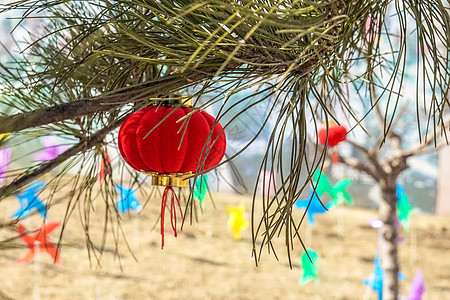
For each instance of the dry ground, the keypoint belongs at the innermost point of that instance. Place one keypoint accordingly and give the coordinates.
(204, 262)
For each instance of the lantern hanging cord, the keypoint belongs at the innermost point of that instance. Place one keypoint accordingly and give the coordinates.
(173, 212)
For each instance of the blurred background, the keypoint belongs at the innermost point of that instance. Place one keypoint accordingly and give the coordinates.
(208, 260)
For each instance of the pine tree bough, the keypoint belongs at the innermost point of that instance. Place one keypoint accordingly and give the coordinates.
(83, 107)
(52, 114)
(46, 167)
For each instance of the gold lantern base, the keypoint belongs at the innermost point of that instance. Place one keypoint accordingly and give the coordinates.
(169, 179)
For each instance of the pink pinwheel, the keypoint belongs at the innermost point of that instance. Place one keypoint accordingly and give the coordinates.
(51, 151)
(377, 223)
(417, 287)
(372, 28)
(5, 156)
(267, 182)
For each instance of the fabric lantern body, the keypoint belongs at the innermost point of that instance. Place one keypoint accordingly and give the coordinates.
(336, 134)
(171, 144)
(332, 136)
(156, 140)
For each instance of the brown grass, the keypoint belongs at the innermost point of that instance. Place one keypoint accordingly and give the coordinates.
(204, 262)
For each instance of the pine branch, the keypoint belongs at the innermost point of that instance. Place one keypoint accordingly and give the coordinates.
(44, 168)
(79, 108)
(83, 107)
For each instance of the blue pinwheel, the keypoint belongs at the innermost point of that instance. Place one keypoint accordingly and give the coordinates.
(376, 279)
(29, 201)
(127, 200)
(315, 207)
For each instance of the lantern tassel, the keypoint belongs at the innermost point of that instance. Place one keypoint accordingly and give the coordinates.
(335, 157)
(173, 212)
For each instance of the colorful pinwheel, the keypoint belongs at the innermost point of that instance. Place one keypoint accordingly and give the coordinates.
(313, 206)
(4, 137)
(404, 207)
(201, 189)
(105, 166)
(338, 192)
(376, 279)
(417, 287)
(236, 220)
(321, 182)
(51, 150)
(5, 156)
(127, 200)
(38, 241)
(267, 183)
(29, 201)
(310, 269)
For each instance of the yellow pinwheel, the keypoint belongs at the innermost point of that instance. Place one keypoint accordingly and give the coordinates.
(236, 220)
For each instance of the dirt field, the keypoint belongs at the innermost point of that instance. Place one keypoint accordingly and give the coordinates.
(205, 262)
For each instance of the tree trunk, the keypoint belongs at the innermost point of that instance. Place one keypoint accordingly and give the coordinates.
(388, 248)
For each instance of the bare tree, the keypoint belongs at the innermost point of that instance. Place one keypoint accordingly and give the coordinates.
(385, 172)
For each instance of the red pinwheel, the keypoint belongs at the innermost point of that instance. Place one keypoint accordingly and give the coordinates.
(171, 144)
(38, 240)
(332, 136)
(105, 166)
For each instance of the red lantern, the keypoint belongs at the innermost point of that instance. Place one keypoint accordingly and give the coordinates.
(171, 144)
(332, 137)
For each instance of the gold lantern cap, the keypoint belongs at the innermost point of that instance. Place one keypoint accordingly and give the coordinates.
(181, 101)
(169, 179)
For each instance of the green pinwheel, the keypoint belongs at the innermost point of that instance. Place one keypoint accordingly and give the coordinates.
(404, 207)
(321, 182)
(338, 192)
(310, 269)
(201, 189)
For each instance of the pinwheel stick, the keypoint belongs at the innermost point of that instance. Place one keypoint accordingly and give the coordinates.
(309, 234)
(37, 271)
(413, 246)
(340, 227)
